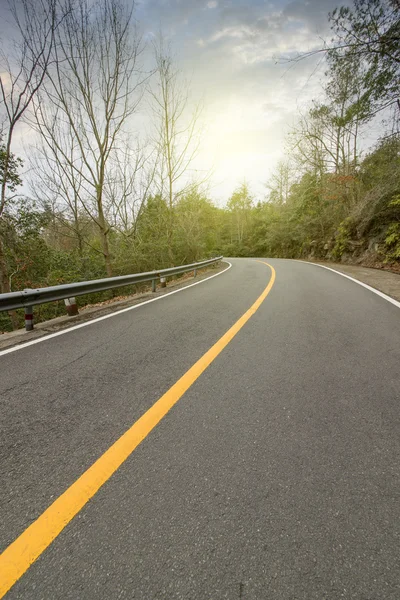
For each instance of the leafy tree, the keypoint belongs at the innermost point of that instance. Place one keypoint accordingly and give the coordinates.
(196, 234)
(10, 181)
(239, 205)
(370, 34)
(153, 242)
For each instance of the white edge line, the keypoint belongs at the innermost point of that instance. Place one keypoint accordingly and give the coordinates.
(368, 287)
(118, 312)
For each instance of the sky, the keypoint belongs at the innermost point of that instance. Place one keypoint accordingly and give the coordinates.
(229, 50)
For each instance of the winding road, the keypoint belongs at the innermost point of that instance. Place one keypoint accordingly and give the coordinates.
(238, 439)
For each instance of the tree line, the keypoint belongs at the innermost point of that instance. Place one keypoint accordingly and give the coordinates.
(105, 201)
(331, 197)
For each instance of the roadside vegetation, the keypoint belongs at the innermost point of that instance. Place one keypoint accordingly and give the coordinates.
(104, 201)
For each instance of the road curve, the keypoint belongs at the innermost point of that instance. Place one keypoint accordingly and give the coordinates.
(275, 476)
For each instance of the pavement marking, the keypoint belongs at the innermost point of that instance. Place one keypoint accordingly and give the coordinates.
(22, 553)
(117, 312)
(365, 285)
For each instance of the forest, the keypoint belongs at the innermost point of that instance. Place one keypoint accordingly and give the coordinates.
(92, 200)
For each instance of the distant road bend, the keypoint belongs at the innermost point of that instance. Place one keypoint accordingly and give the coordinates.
(236, 440)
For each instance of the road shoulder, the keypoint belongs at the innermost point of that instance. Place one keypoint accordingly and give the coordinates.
(384, 281)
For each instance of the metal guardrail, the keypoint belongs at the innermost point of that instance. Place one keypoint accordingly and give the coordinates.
(30, 297)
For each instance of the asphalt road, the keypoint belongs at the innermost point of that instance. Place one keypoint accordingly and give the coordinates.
(275, 476)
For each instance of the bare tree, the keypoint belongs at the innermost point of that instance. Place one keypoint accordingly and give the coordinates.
(177, 135)
(326, 138)
(239, 205)
(22, 73)
(57, 185)
(92, 91)
(280, 181)
(314, 141)
(129, 184)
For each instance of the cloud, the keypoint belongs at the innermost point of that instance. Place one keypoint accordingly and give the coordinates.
(231, 51)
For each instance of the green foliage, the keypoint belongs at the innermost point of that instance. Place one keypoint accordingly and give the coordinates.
(368, 34)
(342, 238)
(392, 241)
(314, 218)
(240, 213)
(323, 202)
(329, 215)
(13, 179)
(196, 228)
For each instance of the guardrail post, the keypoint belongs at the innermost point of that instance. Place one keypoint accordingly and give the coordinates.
(28, 318)
(27, 298)
(71, 306)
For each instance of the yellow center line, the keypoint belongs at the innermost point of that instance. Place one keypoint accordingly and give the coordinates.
(22, 553)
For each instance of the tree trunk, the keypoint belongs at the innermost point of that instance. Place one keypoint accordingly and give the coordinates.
(5, 166)
(170, 224)
(103, 229)
(106, 252)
